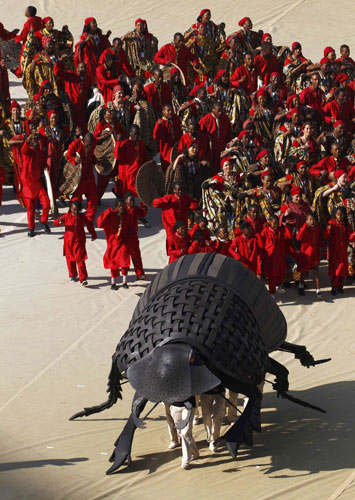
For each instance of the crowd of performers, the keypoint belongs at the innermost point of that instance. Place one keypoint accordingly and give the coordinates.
(256, 143)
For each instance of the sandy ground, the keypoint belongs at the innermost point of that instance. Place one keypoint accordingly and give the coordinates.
(57, 338)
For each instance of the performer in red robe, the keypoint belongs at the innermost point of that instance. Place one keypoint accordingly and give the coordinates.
(313, 95)
(274, 250)
(158, 93)
(107, 77)
(167, 132)
(245, 248)
(222, 244)
(178, 241)
(177, 53)
(338, 234)
(122, 64)
(330, 164)
(201, 225)
(32, 189)
(90, 46)
(115, 223)
(340, 108)
(33, 24)
(133, 214)
(85, 149)
(266, 63)
(192, 135)
(130, 154)
(199, 244)
(246, 76)
(175, 207)
(74, 248)
(77, 84)
(218, 126)
(309, 237)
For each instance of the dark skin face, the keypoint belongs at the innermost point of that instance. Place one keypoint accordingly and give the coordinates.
(274, 223)
(93, 26)
(325, 68)
(339, 130)
(295, 119)
(192, 130)
(130, 201)
(201, 94)
(120, 208)
(177, 191)
(248, 24)
(267, 182)
(311, 221)
(223, 233)
(53, 121)
(178, 41)
(49, 25)
(302, 170)
(253, 213)
(335, 150)
(158, 77)
(206, 17)
(81, 69)
(341, 98)
(74, 210)
(248, 61)
(275, 80)
(137, 90)
(315, 81)
(202, 29)
(15, 114)
(225, 79)
(49, 47)
(339, 216)
(345, 52)
(217, 111)
(181, 230)
(107, 115)
(267, 51)
(167, 112)
(87, 142)
(140, 27)
(134, 135)
(247, 231)
(117, 45)
(265, 161)
(202, 225)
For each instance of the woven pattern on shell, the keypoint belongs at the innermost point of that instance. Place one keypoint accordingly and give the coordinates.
(206, 315)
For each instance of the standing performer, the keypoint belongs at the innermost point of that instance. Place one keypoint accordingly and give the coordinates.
(273, 237)
(245, 248)
(115, 224)
(133, 214)
(167, 132)
(33, 163)
(178, 241)
(74, 248)
(213, 408)
(179, 412)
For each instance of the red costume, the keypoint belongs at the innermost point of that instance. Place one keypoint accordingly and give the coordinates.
(32, 165)
(266, 66)
(203, 141)
(106, 81)
(180, 57)
(222, 247)
(206, 235)
(158, 96)
(174, 208)
(310, 247)
(122, 63)
(274, 247)
(247, 251)
(133, 214)
(200, 247)
(76, 87)
(220, 133)
(177, 246)
(297, 213)
(330, 164)
(87, 184)
(167, 133)
(338, 235)
(89, 49)
(130, 157)
(345, 113)
(33, 24)
(313, 98)
(74, 248)
(116, 232)
(249, 85)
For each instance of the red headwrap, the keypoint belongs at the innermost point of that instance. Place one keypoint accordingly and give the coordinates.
(293, 111)
(116, 88)
(139, 21)
(296, 45)
(173, 71)
(261, 92)
(88, 20)
(193, 92)
(203, 11)
(265, 35)
(343, 77)
(224, 160)
(220, 73)
(296, 190)
(262, 153)
(324, 60)
(264, 174)
(301, 163)
(243, 21)
(338, 122)
(290, 99)
(275, 73)
(51, 112)
(45, 39)
(327, 51)
(242, 134)
(338, 173)
(14, 105)
(46, 19)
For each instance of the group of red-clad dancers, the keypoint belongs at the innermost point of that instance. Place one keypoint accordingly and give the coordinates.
(256, 142)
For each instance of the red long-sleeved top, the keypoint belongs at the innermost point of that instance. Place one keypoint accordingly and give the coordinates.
(174, 208)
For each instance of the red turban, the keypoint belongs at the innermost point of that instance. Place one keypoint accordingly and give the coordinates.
(290, 99)
(264, 174)
(327, 51)
(224, 160)
(301, 163)
(203, 11)
(275, 73)
(243, 21)
(296, 190)
(338, 122)
(242, 134)
(139, 21)
(220, 73)
(45, 39)
(116, 88)
(343, 77)
(293, 111)
(261, 92)
(324, 60)
(46, 19)
(262, 153)
(265, 35)
(296, 45)
(88, 20)
(338, 173)
(51, 112)
(14, 105)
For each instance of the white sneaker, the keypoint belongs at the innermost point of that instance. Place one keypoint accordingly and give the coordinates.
(280, 290)
(185, 465)
(212, 447)
(173, 445)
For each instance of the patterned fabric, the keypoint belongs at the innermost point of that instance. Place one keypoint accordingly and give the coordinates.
(70, 178)
(145, 119)
(235, 105)
(134, 46)
(43, 71)
(325, 206)
(205, 49)
(307, 185)
(268, 201)
(6, 155)
(191, 177)
(219, 202)
(263, 121)
(282, 146)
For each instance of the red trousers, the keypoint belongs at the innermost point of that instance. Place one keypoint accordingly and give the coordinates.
(91, 197)
(30, 204)
(338, 282)
(135, 253)
(73, 272)
(274, 281)
(116, 272)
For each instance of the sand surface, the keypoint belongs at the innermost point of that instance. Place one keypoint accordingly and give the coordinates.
(57, 338)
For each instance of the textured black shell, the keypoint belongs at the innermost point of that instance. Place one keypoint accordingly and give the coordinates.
(213, 303)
